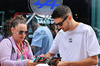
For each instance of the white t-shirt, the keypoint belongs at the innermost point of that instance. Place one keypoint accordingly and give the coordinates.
(77, 44)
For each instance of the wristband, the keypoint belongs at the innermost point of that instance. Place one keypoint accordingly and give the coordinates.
(68, 63)
(34, 60)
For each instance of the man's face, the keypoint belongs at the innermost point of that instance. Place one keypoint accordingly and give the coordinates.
(62, 23)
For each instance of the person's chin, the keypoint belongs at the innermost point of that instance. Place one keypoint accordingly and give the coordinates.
(21, 39)
(65, 30)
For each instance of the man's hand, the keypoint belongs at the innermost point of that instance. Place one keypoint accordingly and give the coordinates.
(41, 55)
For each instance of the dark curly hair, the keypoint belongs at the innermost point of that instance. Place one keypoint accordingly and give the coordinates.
(6, 29)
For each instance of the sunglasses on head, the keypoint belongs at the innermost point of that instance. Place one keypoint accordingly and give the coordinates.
(60, 23)
(21, 32)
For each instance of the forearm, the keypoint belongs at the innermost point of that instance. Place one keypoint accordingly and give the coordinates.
(93, 60)
(86, 62)
(48, 54)
(13, 63)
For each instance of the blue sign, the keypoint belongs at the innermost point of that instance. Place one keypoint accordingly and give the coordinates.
(47, 4)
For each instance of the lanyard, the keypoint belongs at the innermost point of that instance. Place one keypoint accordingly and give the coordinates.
(22, 52)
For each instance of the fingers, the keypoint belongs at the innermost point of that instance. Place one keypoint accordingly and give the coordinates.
(41, 55)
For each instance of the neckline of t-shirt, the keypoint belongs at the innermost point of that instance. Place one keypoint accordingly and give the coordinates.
(76, 29)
